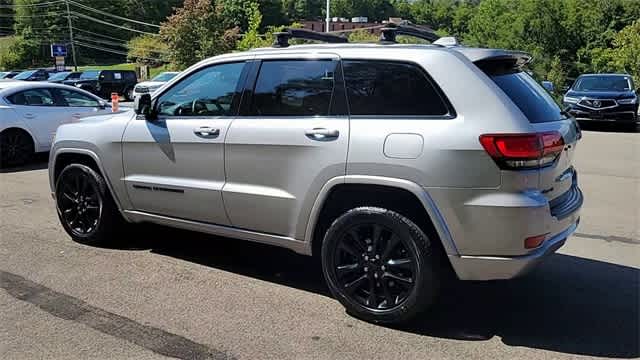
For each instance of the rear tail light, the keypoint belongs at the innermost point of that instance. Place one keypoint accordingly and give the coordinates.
(534, 241)
(523, 151)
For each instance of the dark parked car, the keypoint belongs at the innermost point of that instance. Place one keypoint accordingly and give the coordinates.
(63, 76)
(34, 75)
(9, 74)
(105, 82)
(607, 97)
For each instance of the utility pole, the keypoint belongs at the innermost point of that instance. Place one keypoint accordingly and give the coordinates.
(328, 17)
(73, 48)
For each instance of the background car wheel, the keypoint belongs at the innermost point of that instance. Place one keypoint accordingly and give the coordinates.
(379, 265)
(85, 207)
(16, 147)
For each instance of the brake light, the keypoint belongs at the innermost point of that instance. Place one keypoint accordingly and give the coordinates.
(523, 151)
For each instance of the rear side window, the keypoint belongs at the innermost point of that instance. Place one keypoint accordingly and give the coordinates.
(531, 98)
(294, 88)
(33, 97)
(391, 88)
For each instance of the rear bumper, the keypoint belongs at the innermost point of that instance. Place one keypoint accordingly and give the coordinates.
(498, 267)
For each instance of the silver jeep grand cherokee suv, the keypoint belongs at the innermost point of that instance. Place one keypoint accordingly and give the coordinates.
(392, 163)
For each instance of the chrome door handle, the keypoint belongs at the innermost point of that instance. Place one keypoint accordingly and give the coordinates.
(206, 132)
(322, 134)
(29, 116)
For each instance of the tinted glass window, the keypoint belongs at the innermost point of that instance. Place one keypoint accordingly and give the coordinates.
(294, 88)
(390, 88)
(534, 102)
(208, 92)
(33, 97)
(59, 76)
(90, 74)
(76, 99)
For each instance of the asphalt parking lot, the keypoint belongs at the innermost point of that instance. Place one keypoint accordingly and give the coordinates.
(163, 292)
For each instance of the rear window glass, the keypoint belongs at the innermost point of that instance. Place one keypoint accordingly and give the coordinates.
(391, 88)
(534, 102)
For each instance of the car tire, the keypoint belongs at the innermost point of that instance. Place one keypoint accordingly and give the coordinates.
(380, 265)
(128, 94)
(16, 147)
(85, 207)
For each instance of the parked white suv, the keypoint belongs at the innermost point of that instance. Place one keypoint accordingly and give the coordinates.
(393, 163)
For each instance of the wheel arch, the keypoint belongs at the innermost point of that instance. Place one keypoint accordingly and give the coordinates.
(65, 156)
(34, 140)
(413, 200)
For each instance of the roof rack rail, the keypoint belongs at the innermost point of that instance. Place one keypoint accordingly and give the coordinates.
(389, 32)
(282, 38)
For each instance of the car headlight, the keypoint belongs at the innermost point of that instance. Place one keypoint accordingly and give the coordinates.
(571, 100)
(632, 100)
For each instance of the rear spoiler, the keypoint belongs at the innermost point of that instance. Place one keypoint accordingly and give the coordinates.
(495, 59)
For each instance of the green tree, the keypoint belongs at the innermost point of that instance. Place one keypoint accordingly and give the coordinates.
(147, 50)
(194, 33)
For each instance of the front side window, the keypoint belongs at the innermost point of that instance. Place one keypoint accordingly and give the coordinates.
(294, 88)
(207, 92)
(33, 97)
(76, 99)
(391, 88)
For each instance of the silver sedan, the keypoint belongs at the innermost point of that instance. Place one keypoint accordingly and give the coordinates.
(30, 113)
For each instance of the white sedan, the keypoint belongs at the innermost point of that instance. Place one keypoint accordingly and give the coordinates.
(30, 113)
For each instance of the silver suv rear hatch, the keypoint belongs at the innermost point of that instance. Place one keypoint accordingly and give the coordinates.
(557, 177)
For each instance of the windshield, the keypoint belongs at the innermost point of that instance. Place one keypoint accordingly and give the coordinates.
(59, 76)
(25, 75)
(93, 74)
(534, 102)
(603, 83)
(165, 76)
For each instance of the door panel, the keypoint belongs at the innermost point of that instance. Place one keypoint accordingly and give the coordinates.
(37, 108)
(288, 146)
(174, 165)
(172, 171)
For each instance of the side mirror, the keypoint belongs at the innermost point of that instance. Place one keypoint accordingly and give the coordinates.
(142, 105)
(102, 105)
(548, 85)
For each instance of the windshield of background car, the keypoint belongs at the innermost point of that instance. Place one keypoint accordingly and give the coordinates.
(603, 83)
(534, 102)
(59, 76)
(90, 75)
(25, 75)
(164, 77)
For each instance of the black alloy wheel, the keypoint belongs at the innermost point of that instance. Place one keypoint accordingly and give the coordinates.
(16, 148)
(79, 202)
(374, 267)
(379, 265)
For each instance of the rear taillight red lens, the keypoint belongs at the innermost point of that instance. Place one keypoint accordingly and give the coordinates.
(523, 151)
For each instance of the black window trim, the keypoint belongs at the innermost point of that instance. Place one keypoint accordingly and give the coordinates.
(451, 112)
(339, 90)
(235, 104)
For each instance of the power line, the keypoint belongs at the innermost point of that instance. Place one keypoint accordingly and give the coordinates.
(110, 24)
(43, 4)
(32, 16)
(97, 34)
(123, 45)
(111, 15)
(112, 50)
